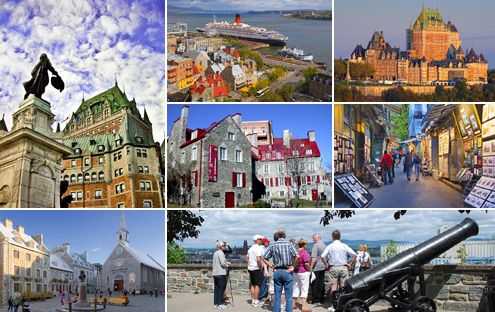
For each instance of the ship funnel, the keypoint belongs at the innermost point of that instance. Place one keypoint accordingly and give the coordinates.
(237, 19)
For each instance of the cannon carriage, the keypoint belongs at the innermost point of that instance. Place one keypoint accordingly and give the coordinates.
(385, 281)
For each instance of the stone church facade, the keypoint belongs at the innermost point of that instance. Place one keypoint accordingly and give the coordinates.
(129, 268)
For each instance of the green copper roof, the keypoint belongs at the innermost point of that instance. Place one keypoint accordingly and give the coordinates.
(427, 18)
(115, 97)
(129, 134)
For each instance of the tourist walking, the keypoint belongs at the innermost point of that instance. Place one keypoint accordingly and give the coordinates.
(417, 165)
(61, 299)
(386, 164)
(318, 267)
(11, 304)
(220, 266)
(16, 304)
(392, 168)
(335, 259)
(397, 159)
(302, 276)
(408, 165)
(282, 266)
(361, 260)
(264, 287)
(255, 269)
(110, 292)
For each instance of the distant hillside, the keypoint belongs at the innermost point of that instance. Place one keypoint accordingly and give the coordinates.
(176, 9)
(285, 11)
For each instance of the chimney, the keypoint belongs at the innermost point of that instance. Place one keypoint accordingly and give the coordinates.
(66, 247)
(38, 238)
(311, 136)
(7, 223)
(253, 139)
(381, 34)
(183, 123)
(20, 229)
(238, 119)
(85, 256)
(287, 138)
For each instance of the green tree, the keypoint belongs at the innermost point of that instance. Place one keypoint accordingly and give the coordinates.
(182, 224)
(245, 54)
(271, 96)
(462, 91)
(462, 254)
(391, 250)
(286, 92)
(402, 122)
(340, 69)
(175, 254)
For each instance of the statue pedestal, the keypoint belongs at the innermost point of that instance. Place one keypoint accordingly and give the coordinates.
(83, 296)
(30, 159)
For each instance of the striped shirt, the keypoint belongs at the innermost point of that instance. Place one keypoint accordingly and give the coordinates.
(282, 253)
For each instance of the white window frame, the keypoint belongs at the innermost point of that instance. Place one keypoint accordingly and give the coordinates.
(238, 155)
(266, 169)
(268, 155)
(194, 153)
(280, 168)
(238, 179)
(223, 155)
(230, 136)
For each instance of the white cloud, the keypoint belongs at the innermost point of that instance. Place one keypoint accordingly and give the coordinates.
(89, 43)
(95, 249)
(234, 226)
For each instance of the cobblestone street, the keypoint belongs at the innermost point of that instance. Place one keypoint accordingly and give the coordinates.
(138, 303)
(424, 193)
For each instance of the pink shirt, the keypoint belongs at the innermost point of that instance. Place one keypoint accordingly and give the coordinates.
(303, 258)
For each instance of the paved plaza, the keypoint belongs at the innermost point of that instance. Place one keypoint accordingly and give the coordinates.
(178, 302)
(138, 303)
(424, 193)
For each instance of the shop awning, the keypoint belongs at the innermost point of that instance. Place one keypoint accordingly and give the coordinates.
(437, 110)
(393, 108)
(410, 140)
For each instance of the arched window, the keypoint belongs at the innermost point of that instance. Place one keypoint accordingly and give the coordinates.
(86, 176)
(101, 175)
(66, 178)
(73, 178)
(79, 178)
(93, 176)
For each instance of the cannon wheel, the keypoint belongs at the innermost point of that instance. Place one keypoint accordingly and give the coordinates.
(356, 305)
(400, 295)
(424, 304)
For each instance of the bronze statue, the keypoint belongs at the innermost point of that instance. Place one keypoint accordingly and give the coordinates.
(40, 79)
(82, 277)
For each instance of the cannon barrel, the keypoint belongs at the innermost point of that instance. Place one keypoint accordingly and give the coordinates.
(417, 255)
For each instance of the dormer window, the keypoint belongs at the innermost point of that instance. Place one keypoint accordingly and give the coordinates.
(118, 142)
(139, 139)
(309, 152)
(92, 142)
(101, 148)
(194, 134)
(77, 151)
(74, 144)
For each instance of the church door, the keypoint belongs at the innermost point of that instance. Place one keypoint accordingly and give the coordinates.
(118, 285)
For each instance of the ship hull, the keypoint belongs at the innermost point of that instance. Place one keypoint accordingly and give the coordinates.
(272, 42)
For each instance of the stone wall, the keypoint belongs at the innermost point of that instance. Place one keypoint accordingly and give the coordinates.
(378, 90)
(454, 288)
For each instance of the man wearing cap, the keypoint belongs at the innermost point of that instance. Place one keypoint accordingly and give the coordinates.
(283, 266)
(254, 268)
(264, 289)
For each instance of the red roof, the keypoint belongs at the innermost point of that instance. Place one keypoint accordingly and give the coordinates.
(220, 91)
(199, 89)
(236, 54)
(301, 145)
(195, 70)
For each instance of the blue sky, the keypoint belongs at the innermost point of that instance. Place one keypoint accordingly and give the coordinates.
(235, 226)
(253, 4)
(355, 21)
(94, 231)
(90, 43)
(298, 118)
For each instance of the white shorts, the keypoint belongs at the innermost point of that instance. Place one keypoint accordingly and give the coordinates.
(271, 288)
(301, 284)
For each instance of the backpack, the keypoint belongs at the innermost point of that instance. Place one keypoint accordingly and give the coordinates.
(417, 159)
(364, 265)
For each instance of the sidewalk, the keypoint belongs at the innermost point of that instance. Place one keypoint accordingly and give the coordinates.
(424, 193)
(179, 302)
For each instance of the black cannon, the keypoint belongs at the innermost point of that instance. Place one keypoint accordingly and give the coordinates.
(385, 280)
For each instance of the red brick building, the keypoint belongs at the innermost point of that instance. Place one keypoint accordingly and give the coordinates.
(115, 161)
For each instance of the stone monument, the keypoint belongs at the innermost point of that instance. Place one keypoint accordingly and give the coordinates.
(83, 292)
(31, 155)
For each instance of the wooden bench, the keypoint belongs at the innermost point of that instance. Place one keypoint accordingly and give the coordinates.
(124, 300)
(98, 300)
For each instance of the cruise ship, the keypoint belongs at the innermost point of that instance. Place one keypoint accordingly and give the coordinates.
(296, 53)
(244, 31)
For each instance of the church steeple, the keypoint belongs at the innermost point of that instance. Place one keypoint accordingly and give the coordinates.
(122, 234)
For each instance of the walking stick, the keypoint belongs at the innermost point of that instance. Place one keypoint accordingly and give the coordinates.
(231, 292)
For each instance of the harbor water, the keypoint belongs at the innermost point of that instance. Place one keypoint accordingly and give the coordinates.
(312, 36)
